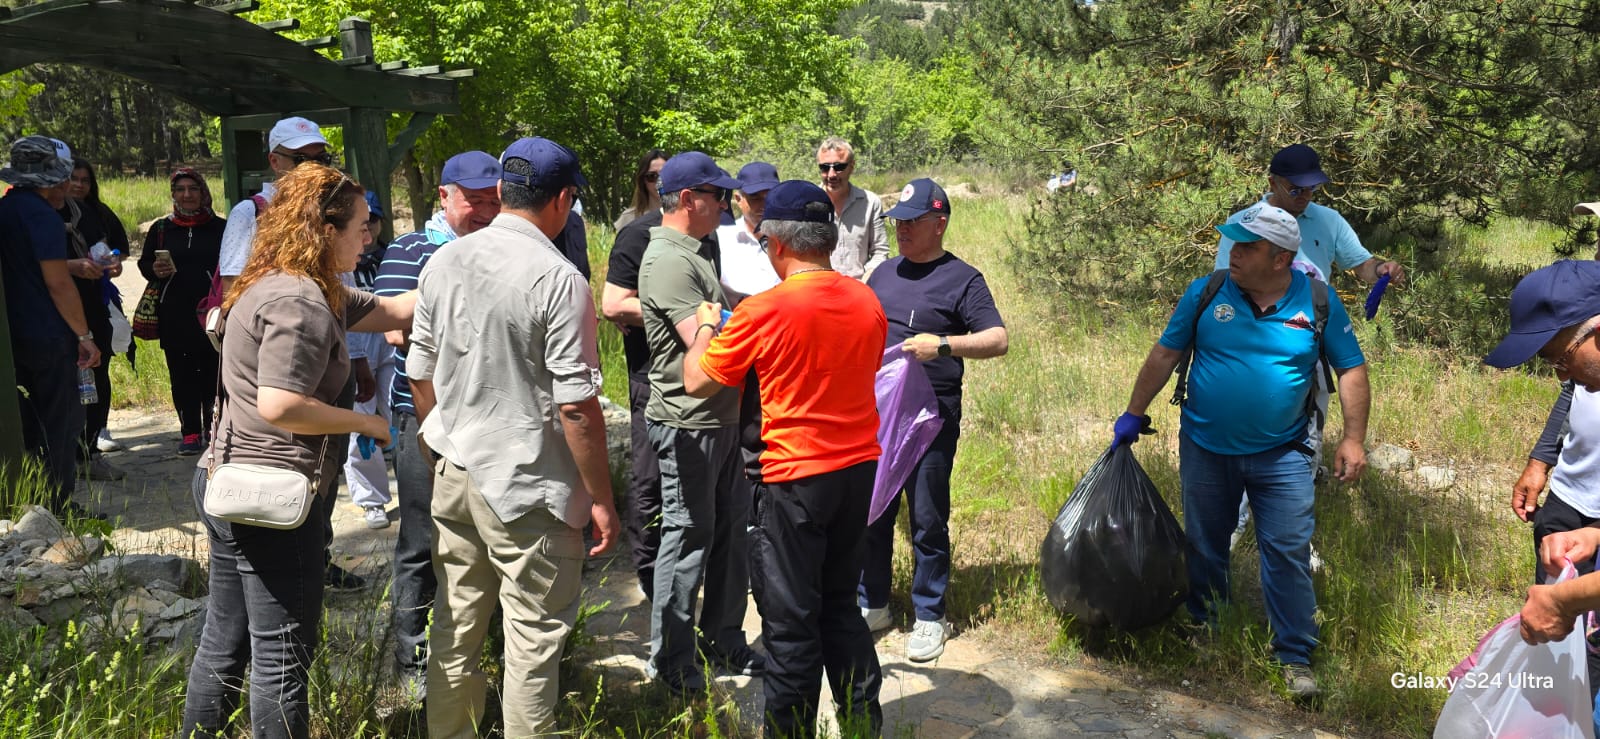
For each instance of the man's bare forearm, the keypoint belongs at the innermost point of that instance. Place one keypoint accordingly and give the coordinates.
(585, 431)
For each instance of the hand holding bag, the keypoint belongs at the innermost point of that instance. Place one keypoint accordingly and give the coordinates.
(146, 320)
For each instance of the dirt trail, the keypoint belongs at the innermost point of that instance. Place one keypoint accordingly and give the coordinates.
(968, 692)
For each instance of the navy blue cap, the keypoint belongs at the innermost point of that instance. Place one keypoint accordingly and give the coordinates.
(757, 177)
(1563, 294)
(787, 201)
(373, 206)
(554, 166)
(474, 170)
(1298, 164)
(693, 169)
(918, 198)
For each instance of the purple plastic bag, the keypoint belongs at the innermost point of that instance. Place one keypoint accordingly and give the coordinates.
(908, 419)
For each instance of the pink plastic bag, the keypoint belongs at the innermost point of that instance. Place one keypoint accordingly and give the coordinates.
(908, 420)
(1507, 688)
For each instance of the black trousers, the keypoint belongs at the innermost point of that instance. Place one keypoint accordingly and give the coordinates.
(644, 491)
(805, 561)
(193, 370)
(1555, 515)
(52, 417)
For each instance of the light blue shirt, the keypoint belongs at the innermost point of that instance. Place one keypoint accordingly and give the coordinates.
(1325, 239)
(1251, 373)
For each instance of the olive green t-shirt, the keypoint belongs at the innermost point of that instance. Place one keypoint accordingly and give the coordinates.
(281, 334)
(674, 278)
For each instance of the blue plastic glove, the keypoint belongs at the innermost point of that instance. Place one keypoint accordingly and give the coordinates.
(1375, 296)
(394, 433)
(366, 445)
(1129, 428)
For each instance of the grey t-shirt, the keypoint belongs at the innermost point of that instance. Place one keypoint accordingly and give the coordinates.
(281, 334)
(674, 278)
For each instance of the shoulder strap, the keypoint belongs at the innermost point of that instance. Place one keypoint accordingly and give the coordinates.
(1319, 326)
(261, 204)
(1180, 389)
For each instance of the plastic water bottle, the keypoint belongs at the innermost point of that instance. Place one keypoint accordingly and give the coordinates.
(103, 255)
(88, 394)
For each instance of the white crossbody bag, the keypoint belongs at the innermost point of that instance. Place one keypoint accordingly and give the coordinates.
(254, 494)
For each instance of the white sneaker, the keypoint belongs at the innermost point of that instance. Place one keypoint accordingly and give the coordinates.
(927, 641)
(878, 619)
(377, 518)
(105, 443)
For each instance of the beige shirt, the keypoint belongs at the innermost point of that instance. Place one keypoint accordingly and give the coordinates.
(281, 334)
(505, 327)
(863, 239)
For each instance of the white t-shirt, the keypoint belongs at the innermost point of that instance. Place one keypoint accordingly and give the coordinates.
(240, 233)
(745, 268)
(1575, 480)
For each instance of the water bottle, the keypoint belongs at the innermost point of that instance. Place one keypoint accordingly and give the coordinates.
(88, 394)
(103, 255)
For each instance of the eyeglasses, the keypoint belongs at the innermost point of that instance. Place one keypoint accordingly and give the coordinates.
(716, 192)
(328, 201)
(652, 176)
(835, 166)
(763, 241)
(1560, 364)
(325, 158)
(1295, 192)
(925, 217)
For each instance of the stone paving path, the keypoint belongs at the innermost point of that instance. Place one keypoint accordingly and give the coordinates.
(968, 692)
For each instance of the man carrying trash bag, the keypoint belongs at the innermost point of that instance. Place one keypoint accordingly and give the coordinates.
(1246, 423)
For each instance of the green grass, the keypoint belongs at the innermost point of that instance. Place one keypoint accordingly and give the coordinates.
(139, 199)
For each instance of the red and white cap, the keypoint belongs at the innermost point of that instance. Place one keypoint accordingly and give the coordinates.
(294, 132)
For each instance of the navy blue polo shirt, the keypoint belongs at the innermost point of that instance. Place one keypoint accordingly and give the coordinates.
(31, 232)
(944, 297)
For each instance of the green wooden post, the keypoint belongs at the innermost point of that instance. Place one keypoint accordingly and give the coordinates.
(231, 189)
(11, 450)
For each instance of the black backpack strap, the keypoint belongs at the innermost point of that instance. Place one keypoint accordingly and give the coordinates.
(1180, 389)
(1319, 326)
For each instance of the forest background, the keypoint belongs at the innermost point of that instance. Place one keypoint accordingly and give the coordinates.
(1455, 131)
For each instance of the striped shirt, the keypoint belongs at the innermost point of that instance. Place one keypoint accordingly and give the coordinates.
(402, 265)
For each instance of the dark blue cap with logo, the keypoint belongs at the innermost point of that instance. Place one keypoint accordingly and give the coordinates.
(693, 169)
(919, 198)
(474, 170)
(757, 177)
(374, 208)
(554, 166)
(1298, 164)
(788, 201)
(1563, 294)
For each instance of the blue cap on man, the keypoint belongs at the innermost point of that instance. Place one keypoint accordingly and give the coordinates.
(374, 208)
(693, 169)
(789, 201)
(757, 177)
(554, 165)
(1300, 165)
(1563, 294)
(918, 198)
(473, 170)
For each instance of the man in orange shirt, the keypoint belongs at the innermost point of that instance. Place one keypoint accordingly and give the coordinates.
(816, 340)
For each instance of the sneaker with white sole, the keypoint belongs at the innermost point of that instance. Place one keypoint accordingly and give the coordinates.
(377, 517)
(105, 443)
(1300, 681)
(926, 642)
(878, 619)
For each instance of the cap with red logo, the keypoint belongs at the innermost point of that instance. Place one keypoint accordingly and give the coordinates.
(919, 198)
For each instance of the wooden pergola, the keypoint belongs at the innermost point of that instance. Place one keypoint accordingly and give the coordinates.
(244, 73)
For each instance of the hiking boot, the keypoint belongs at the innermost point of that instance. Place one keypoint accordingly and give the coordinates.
(687, 684)
(190, 446)
(414, 685)
(105, 443)
(377, 518)
(878, 619)
(99, 469)
(927, 640)
(740, 660)
(1300, 682)
(336, 578)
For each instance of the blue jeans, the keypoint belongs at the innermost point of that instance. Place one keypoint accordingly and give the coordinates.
(927, 492)
(265, 610)
(1281, 482)
(414, 580)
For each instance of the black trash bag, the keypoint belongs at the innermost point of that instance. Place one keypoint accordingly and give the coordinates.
(1114, 555)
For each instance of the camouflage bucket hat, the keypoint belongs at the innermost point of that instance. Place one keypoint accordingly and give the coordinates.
(34, 163)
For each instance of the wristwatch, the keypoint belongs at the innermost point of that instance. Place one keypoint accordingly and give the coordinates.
(85, 337)
(944, 346)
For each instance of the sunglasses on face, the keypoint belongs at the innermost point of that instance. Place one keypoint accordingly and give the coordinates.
(652, 176)
(835, 166)
(325, 158)
(763, 241)
(715, 192)
(1561, 364)
(1295, 192)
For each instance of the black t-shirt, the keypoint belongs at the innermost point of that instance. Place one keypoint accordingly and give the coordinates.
(623, 271)
(573, 243)
(944, 297)
(91, 293)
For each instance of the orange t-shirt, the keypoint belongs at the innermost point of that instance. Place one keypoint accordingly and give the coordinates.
(816, 340)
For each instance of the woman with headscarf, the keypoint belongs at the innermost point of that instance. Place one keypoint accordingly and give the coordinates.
(284, 364)
(180, 255)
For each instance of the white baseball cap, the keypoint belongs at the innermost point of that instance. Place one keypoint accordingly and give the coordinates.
(1265, 222)
(294, 132)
